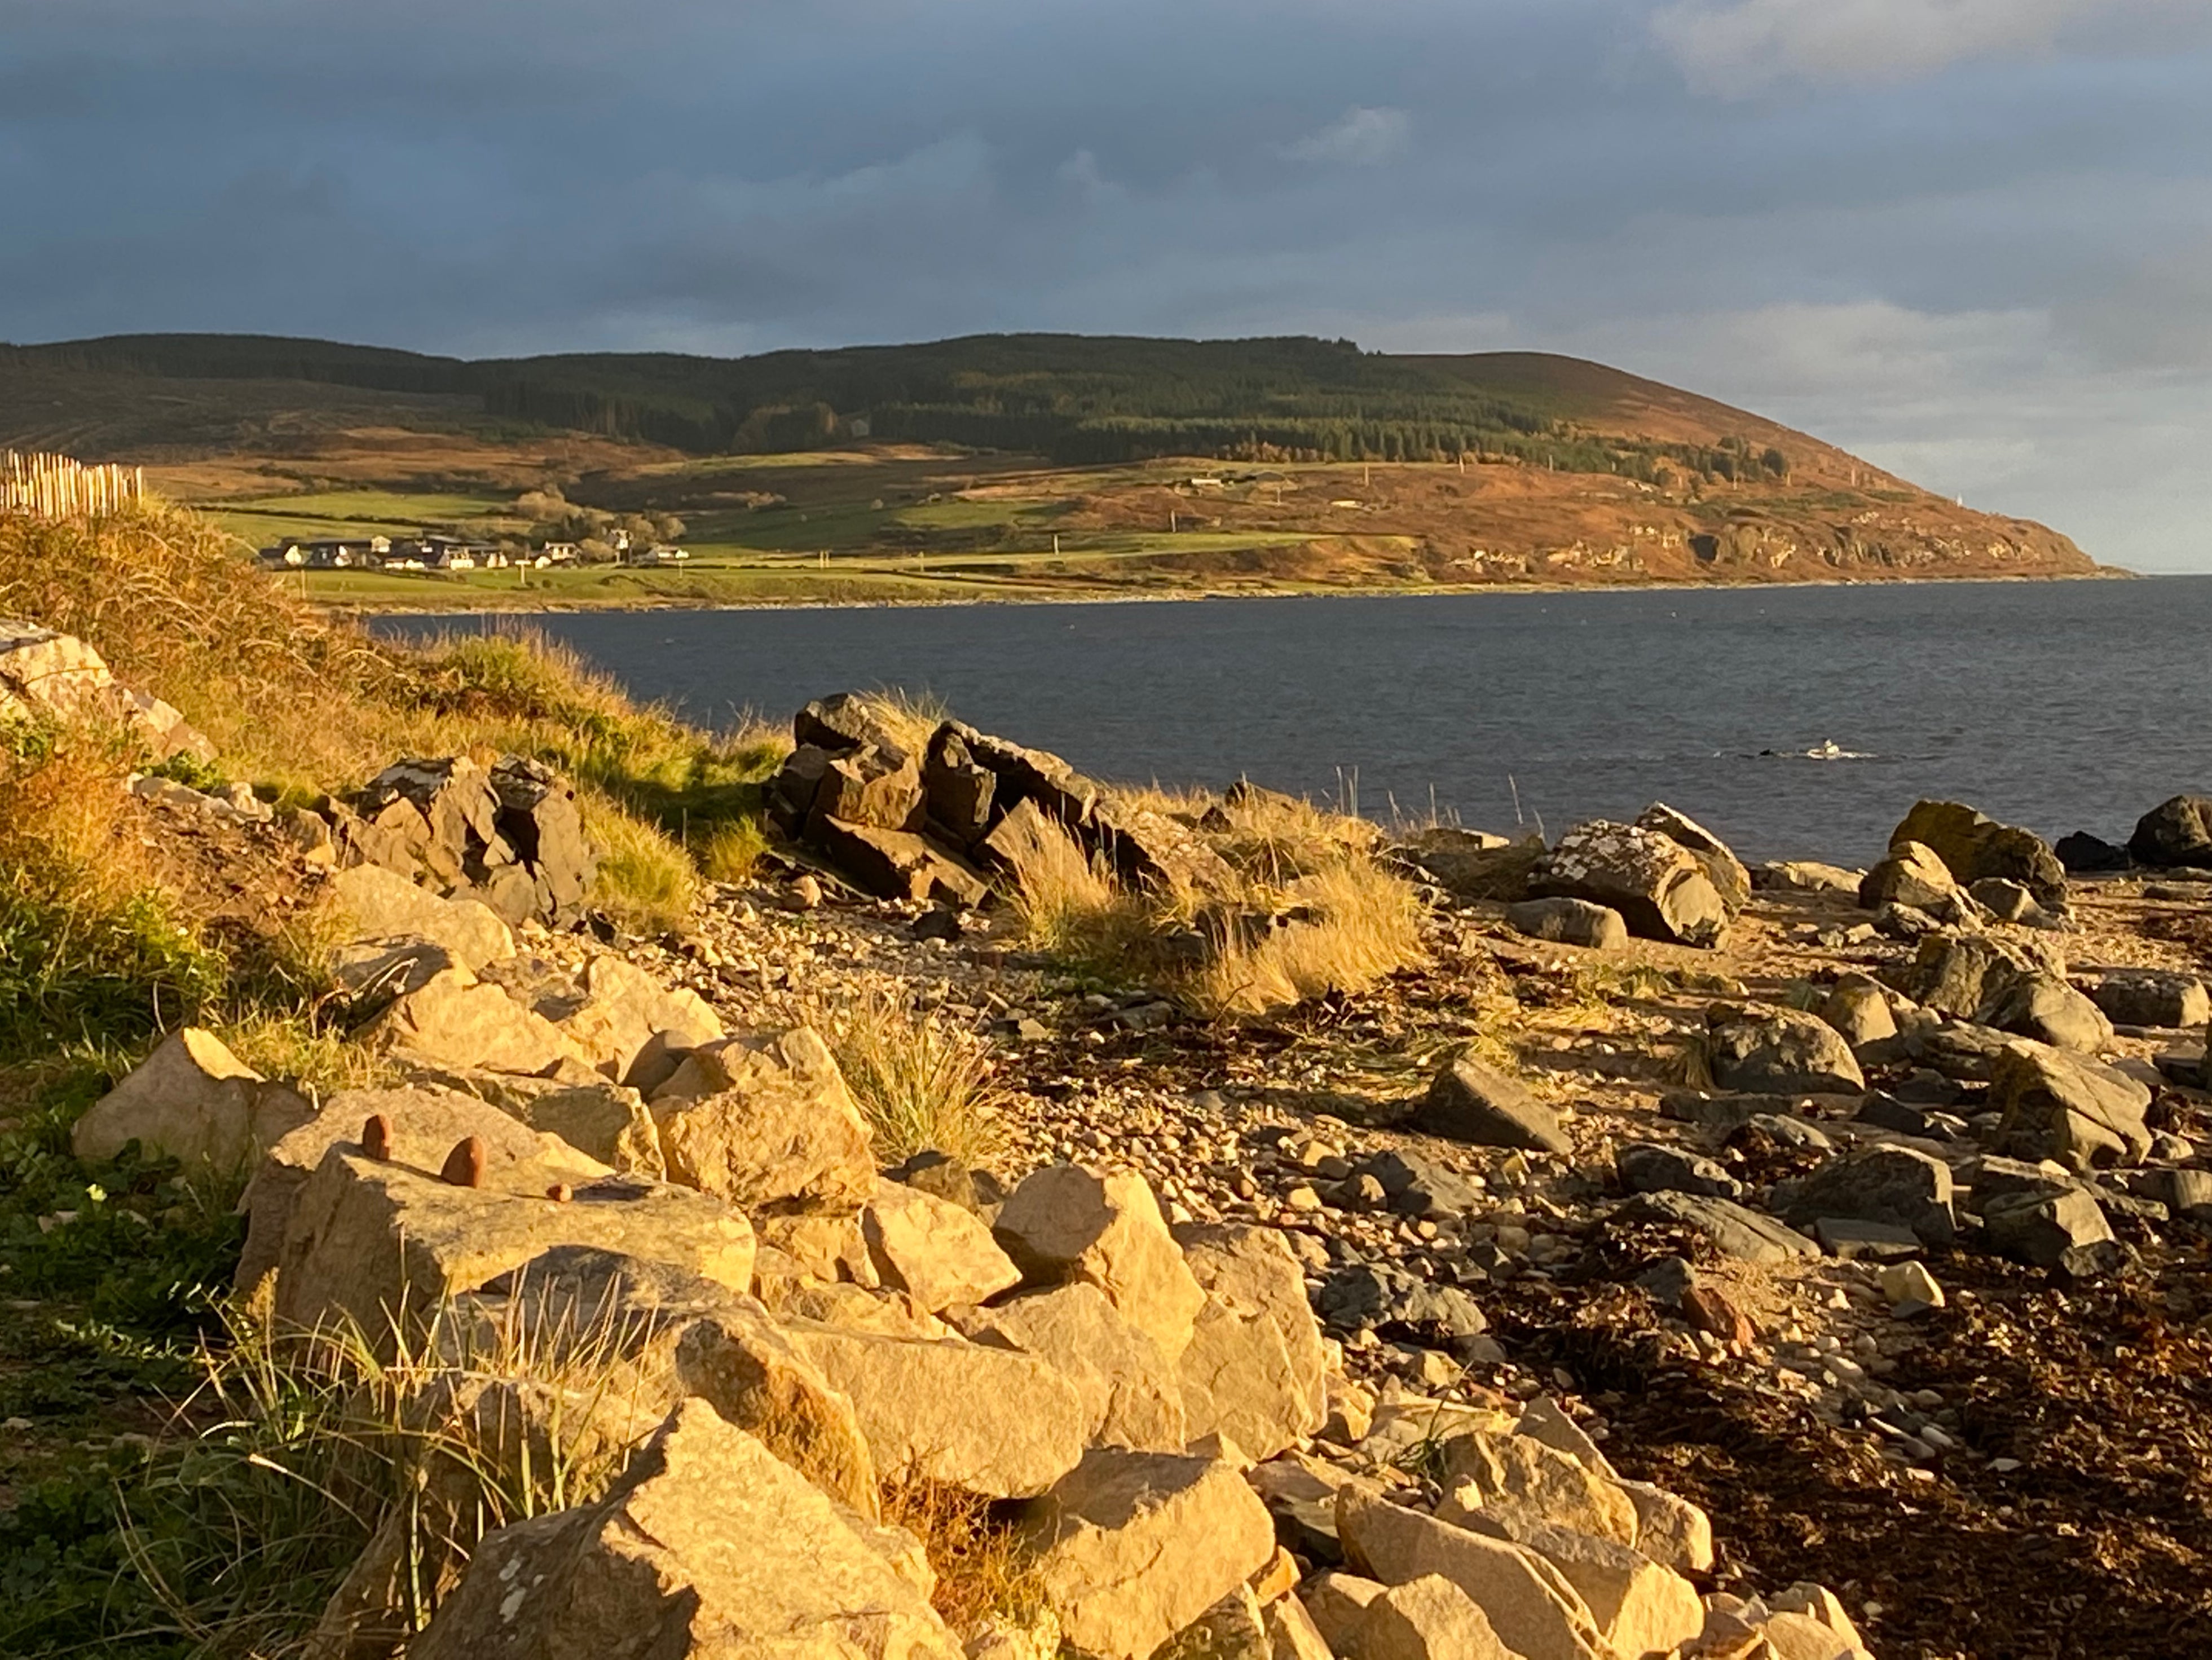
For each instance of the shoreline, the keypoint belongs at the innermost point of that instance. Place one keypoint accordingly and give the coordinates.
(1193, 595)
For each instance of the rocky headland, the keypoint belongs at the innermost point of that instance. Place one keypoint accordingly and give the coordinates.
(1017, 1216)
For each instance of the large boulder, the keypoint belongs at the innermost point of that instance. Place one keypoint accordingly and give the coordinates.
(770, 1126)
(987, 1419)
(1254, 1372)
(1955, 973)
(383, 1245)
(1519, 1476)
(194, 1101)
(1975, 847)
(877, 787)
(424, 1123)
(1569, 922)
(382, 906)
(2064, 1106)
(2064, 1230)
(1640, 1607)
(1133, 1547)
(2175, 834)
(1911, 875)
(1426, 1619)
(1067, 1224)
(939, 1254)
(895, 864)
(1534, 1609)
(1129, 1391)
(1660, 889)
(633, 1028)
(46, 675)
(1470, 1100)
(1722, 868)
(1780, 1052)
(707, 1548)
(1895, 1185)
(453, 1019)
(2045, 1007)
(2145, 997)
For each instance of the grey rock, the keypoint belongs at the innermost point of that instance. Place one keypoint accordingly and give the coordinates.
(2008, 902)
(2043, 1006)
(1670, 1280)
(2144, 997)
(1994, 1177)
(2061, 1106)
(1650, 1167)
(1852, 1239)
(1975, 847)
(1374, 1295)
(1660, 888)
(1912, 875)
(2175, 834)
(2084, 855)
(1414, 1184)
(1895, 1185)
(2066, 1232)
(1732, 1230)
(1782, 1051)
(1474, 1102)
(1569, 922)
(1722, 867)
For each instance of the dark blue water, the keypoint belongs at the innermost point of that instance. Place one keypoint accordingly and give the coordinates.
(2061, 706)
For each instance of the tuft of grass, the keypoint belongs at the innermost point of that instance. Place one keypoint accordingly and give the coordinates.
(912, 718)
(921, 1082)
(1070, 905)
(984, 1573)
(1361, 924)
(730, 853)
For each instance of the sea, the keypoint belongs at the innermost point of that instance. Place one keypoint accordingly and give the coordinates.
(1797, 723)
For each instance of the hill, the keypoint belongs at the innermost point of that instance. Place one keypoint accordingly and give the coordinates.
(1052, 463)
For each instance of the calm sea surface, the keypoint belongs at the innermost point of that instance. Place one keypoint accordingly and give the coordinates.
(2061, 706)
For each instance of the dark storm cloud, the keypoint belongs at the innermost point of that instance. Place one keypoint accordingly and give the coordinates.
(1946, 231)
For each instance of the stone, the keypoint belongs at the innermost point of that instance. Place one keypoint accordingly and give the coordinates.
(511, 835)
(2084, 855)
(193, 1101)
(2063, 1107)
(1426, 1619)
(1913, 875)
(2008, 902)
(871, 786)
(946, 1177)
(1732, 1230)
(958, 794)
(1128, 1390)
(1651, 1167)
(1975, 847)
(777, 1127)
(1291, 1632)
(893, 864)
(1659, 887)
(1722, 868)
(707, 1545)
(1640, 1608)
(1910, 1282)
(1470, 1100)
(1130, 1548)
(1781, 1051)
(1569, 922)
(453, 1019)
(1235, 1628)
(2146, 998)
(1381, 1296)
(2064, 1230)
(1530, 1605)
(1895, 1185)
(604, 1120)
(1956, 973)
(1518, 1476)
(383, 1245)
(1800, 1637)
(1670, 1529)
(1335, 1602)
(1418, 1185)
(383, 905)
(1857, 1007)
(2175, 834)
(1149, 849)
(1805, 876)
(985, 1419)
(1067, 1224)
(936, 1252)
(1469, 865)
(844, 720)
(49, 676)
(420, 1124)
(1254, 1372)
(1543, 1419)
(2045, 1007)
(631, 1027)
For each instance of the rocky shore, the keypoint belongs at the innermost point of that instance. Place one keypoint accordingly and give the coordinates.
(1668, 1258)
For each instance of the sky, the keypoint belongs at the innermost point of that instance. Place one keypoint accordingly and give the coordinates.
(1970, 240)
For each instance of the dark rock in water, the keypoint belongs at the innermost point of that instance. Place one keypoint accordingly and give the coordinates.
(1569, 922)
(1652, 1167)
(1781, 1051)
(1722, 868)
(1895, 1185)
(1474, 1102)
(1732, 1230)
(2084, 855)
(2146, 997)
(1368, 1295)
(1414, 1184)
(1975, 846)
(2175, 834)
(1659, 886)
(2064, 1232)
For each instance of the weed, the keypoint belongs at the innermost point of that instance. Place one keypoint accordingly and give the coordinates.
(921, 1081)
(983, 1572)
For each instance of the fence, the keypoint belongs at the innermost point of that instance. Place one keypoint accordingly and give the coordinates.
(55, 487)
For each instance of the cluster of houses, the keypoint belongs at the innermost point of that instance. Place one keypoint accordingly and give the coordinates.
(444, 553)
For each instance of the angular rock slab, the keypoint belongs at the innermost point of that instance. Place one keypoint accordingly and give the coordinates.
(1132, 1547)
(194, 1101)
(1470, 1100)
(939, 1254)
(1067, 1224)
(1782, 1052)
(1426, 1619)
(708, 1549)
(1130, 1395)
(455, 1019)
(1659, 886)
(384, 905)
(2065, 1107)
(774, 1126)
(1254, 1372)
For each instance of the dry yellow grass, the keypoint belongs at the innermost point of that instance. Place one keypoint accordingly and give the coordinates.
(923, 1082)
